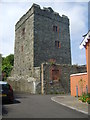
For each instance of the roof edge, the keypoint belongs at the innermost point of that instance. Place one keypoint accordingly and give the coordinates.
(85, 40)
(78, 74)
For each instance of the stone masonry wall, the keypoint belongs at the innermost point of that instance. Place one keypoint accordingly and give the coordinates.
(40, 35)
(62, 85)
(35, 36)
(44, 37)
(24, 40)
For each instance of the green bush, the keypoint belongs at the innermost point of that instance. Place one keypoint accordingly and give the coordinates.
(88, 101)
(7, 66)
(85, 98)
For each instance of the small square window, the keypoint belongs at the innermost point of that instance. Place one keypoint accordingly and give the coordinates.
(55, 28)
(58, 44)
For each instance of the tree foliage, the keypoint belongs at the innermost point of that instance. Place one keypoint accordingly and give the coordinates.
(7, 66)
(8, 60)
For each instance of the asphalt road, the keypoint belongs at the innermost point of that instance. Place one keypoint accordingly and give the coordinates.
(38, 106)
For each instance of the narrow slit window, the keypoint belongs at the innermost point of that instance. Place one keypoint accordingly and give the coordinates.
(22, 48)
(23, 31)
(55, 28)
(57, 44)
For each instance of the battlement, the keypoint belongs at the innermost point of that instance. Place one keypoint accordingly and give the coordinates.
(45, 12)
(49, 10)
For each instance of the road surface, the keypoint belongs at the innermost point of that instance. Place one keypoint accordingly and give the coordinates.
(38, 106)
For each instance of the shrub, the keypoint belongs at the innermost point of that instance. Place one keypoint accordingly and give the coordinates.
(85, 98)
(88, 100)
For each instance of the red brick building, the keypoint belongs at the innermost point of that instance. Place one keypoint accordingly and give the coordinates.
(84, 78)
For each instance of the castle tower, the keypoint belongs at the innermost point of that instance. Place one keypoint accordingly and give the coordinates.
(40, 35)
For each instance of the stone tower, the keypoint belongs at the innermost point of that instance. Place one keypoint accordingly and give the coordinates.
(40, 35)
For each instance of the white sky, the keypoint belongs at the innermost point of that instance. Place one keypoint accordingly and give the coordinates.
(77, 12)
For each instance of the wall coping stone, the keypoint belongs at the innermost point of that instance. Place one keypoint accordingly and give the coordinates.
(78, 74)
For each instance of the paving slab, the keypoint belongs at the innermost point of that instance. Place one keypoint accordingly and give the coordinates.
(71, 102)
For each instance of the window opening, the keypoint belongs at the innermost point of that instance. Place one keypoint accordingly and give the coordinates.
(22, 48)
(57, 44)
(23, 31)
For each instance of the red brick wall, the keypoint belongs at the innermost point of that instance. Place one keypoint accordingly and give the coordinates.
(88, 63)
(79, 80)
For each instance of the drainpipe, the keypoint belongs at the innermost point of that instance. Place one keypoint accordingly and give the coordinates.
(76, 91)
(34, 87)
(42, 91)
(86, 89)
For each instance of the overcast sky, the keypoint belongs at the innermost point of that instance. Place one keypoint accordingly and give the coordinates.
(77, 12)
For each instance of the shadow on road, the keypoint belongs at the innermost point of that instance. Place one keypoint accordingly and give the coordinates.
(20, 97)
(4, 108)
(7, 102)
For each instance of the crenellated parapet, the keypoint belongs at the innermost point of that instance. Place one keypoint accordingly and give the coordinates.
(45, 12)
